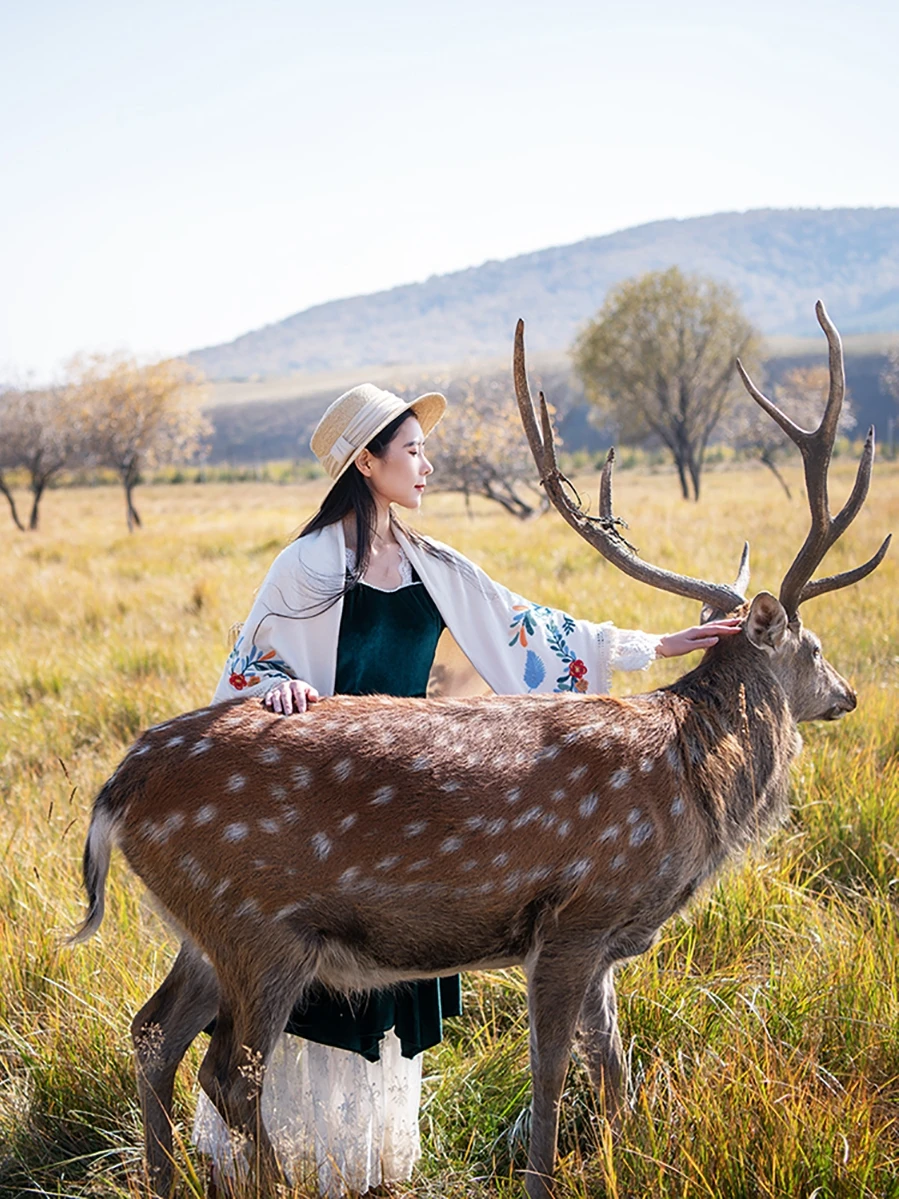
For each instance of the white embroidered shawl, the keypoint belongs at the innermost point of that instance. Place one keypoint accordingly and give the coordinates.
(515, 646)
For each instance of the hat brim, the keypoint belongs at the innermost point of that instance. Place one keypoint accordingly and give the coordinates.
(428, 410)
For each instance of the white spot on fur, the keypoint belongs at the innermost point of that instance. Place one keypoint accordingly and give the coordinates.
(301, 776)
(610, 833)
(474, 759)
(288, 910)
(634, 815)
(641, 832)
(451, 845)
(588, 804)
(348, 876)
(469, 865)
(194, 871)
(664, 865)
(160, 833)
(578, 870)
(321, 843)
(145, 749)
(236, 831)
(249, 907)
(538, 874)
(270, 755)
(475, 822)
(419, 865)
(494, 827)
(383, 795)
(270, 826)
(290, 815)
(620, 779)
(647, 765)
(549, 820)
(219, 890)
(618, 861)
(558, 795)
(452, 785)
(513, 795)
(512, 881)
(677, 806)
(205, 814)
(389, 862)
(564, 829)
(501, 859)
(173, 741)
(342, 769)
(527, 817)
(422, 762)
(236, 782)
(348, 821)
(577, 774)
(547, 753)
(415, 828)
(278, 793)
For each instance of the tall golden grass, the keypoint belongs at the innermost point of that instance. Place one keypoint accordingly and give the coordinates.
(762, 1033)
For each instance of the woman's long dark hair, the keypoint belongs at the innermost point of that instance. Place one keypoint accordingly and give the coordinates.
(352, 494)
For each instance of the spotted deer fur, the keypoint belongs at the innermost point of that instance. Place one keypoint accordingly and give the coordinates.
(377, 840)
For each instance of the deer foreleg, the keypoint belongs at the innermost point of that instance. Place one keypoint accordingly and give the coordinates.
(600, 1042)
(233, 1070)
(161, 1032)
(557, 981)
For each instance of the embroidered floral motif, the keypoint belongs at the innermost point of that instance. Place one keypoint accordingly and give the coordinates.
(246, 670)
(524, 625)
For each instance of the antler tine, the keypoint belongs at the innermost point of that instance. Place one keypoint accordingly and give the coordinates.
(525, 403)
(605, 486)
(550, 461)
(600, 532)
(845, 577)
(741, 582)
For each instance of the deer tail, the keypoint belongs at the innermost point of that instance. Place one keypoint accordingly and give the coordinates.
(101, 837)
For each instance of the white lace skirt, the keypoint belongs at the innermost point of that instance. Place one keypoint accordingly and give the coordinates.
(331, 1115)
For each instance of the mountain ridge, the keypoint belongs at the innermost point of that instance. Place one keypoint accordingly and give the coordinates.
(779, 261)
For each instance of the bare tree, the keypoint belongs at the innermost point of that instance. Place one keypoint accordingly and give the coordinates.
(38, 433)
(802, 391)
(139, 416)
(660, 356)
(479, 448)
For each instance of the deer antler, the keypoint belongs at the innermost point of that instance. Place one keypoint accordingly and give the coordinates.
(601, 531)
(816, 446)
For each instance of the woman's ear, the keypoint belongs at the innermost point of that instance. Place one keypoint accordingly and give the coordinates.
(766, 624)
(363, 464)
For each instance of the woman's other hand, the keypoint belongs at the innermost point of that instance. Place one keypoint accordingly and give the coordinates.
(703, 636)
(293, 695)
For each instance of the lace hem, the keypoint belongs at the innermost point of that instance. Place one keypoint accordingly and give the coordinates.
(334, 1118)
(405, 569)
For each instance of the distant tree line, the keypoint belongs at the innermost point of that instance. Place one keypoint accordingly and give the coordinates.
(110, 412)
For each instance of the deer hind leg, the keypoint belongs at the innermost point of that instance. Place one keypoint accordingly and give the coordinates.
(161, 1033)
(600, 1042)
(233, 1070)
(557, 980)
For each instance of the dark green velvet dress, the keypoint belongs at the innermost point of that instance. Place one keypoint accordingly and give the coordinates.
(386, 647)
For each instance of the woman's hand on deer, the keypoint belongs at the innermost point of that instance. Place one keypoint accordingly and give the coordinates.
(293, 695)
(703, 636)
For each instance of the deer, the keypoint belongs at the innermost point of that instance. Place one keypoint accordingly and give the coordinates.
(378, 840)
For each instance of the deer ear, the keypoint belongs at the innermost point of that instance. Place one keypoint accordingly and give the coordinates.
(766, 624)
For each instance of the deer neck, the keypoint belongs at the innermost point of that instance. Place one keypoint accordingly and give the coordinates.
(736, 738)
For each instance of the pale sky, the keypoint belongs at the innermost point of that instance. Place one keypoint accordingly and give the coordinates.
(174, 174)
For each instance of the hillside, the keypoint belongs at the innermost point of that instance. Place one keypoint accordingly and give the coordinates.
(778, 261)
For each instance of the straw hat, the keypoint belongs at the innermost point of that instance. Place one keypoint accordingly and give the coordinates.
(360, 414)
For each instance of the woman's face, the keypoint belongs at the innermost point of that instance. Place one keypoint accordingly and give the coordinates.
(399, 476)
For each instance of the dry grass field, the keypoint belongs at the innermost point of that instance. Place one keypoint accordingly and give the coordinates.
(762, 1032)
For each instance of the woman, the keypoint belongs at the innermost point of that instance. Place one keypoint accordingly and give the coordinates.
(356, 606)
